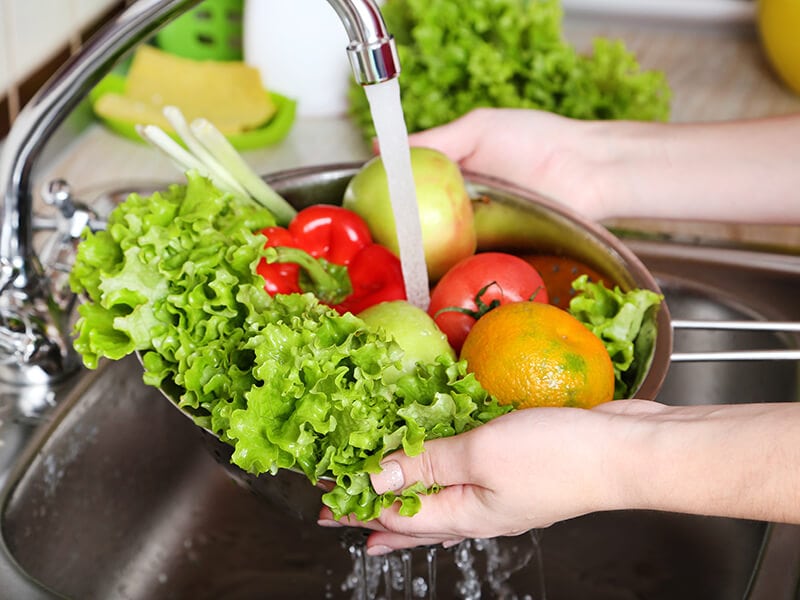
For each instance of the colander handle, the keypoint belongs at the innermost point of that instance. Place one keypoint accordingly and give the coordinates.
(737, 355)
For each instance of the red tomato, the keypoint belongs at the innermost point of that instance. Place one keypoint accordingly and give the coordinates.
(477, 284)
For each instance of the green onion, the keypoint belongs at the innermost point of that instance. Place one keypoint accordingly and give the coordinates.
(210, 153)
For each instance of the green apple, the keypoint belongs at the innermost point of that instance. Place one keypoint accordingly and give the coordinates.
(412, 328)
(445, 208)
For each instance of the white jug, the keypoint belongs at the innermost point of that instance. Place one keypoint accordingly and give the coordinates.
(300, 49)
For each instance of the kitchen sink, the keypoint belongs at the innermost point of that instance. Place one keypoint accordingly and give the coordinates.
(117, 495)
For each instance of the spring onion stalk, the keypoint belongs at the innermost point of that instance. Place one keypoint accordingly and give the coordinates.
(157, 138)
(186, 161)
(216, 171)
(224, 152)
(210, 153)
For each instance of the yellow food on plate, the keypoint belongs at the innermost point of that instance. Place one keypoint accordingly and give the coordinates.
(529, 354)
(229, 94)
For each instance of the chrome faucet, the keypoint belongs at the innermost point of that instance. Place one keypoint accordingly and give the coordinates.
(34, 339)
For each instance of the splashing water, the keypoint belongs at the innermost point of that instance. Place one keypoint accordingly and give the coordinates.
(476, 569)
(390, 127)
(430, 556)
(378, 577)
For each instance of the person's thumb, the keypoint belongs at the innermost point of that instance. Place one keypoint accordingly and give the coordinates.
(443, 462)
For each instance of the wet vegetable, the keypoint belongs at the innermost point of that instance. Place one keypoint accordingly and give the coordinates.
(413, 329)
(445, 208)
(287, 381)
(626, 324)
(328, 250)
(478, 284)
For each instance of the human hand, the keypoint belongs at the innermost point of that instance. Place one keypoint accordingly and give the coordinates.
(606, 169)
(524, 470)
(558, 157)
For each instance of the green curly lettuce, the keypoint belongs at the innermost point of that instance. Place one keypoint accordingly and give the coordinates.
(324, 406)
(457, 56)
(287, 381)
(169, 274)
(626, 324)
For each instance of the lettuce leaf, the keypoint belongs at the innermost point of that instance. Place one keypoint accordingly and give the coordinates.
(288, 382)
(457, 56)
(626, 324)
(325, 408)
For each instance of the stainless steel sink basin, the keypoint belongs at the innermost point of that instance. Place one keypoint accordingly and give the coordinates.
(118, 497)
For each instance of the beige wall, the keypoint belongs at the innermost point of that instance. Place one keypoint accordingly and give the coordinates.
(32, 32)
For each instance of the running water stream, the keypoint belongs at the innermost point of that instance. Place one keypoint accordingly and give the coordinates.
(473, 567)
(392, 134)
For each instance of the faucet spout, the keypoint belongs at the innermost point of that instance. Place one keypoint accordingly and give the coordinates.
(372, 51)
(34, 341)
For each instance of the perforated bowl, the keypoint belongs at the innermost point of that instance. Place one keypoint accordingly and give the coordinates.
(536, 224)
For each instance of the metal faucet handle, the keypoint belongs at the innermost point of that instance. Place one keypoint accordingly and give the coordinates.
(33, 349)
(23, 340)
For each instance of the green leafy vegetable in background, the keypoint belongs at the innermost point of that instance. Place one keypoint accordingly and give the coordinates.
(625, 322)
(456, 56)
(288, 382)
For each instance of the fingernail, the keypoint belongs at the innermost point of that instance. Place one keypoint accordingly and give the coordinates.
(325, 486)
(390, 479)
(328, 523)
(378, 550)
(451, 543)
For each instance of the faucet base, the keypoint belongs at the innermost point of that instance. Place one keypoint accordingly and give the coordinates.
(34, 346)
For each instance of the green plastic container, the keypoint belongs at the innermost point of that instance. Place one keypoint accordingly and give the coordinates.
(210, 31)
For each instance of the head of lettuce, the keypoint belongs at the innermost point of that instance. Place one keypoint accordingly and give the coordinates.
(288, 382)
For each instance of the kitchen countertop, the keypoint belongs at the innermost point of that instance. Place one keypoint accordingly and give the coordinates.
(716, 72)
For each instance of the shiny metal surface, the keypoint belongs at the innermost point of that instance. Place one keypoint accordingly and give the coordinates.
(371, 51)
(706, 356)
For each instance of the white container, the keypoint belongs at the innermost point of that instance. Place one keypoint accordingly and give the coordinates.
(300, 49)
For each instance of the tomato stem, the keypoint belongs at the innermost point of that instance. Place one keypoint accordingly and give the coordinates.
(481, 307)
(532, 297)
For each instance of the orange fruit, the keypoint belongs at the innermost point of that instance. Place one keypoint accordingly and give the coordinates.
(530, 354)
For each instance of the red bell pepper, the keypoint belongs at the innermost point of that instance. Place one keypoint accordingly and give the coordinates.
(328, 250)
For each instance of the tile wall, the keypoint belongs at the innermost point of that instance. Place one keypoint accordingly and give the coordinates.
(35, 37)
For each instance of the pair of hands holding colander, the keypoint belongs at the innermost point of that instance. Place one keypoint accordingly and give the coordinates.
(531, 468)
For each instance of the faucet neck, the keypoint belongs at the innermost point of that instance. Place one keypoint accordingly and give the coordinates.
(372, 51)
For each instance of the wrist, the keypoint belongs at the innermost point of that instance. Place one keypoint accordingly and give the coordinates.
(731, 460)
(624, 162)
(668, 457)
(629, 454)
